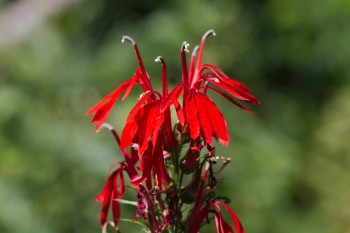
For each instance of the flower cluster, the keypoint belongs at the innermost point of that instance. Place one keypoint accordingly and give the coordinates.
(172, 165)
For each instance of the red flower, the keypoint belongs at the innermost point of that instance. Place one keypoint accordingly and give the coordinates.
(202, 115)
(156, 163)
(221, 225)
(198, 214)
(113, 189)
(152, 160)
(102, 109)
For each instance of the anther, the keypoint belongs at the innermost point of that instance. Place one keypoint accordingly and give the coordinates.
(160, 59)
(104, 126)
(128, 38)
(184, 46)
(105, 225)
(210, 32)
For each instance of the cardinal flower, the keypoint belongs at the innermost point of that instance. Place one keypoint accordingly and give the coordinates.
(164, 176)
(202, 116)
(199, 213)
(102, 109)
(148, 128)
(115, 186)
(221, 225)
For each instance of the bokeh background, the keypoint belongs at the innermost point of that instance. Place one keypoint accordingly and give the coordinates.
(291, 159)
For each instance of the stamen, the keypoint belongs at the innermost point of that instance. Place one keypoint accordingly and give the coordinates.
(184, 50)
(104, 126)
(197, 69)
(164, 76)
(160, 59)
(143, 94)
(195, 51)
(116, 136)
(128, 38)
(145, 78)
(210, 32)
(184, 47)
(225, 162)
(192, 62)
(122, 201)
(214, 79)
(135, 146)
(105, 225)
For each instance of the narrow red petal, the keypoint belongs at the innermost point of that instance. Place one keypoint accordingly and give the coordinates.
(136, 78)
(128, 134)
(229, 98)
(116, 211)
(107, 198)
(234, 87)
(146, 167)
(151, 123)
(102, 102)
(113, 95)
(195, 225)
(159, 163)
(168, 138)
(192, 115)
(179, 113)
(217, 120)
(204, 119)
(139, 104)
(172, 97)
(218, 221)
(104, 107)
(233, 216)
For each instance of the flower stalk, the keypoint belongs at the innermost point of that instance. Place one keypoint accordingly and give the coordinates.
(172, 167)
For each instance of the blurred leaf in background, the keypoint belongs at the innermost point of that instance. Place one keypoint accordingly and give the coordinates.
(290, 169)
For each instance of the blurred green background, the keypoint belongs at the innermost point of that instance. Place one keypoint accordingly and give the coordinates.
(291, 160)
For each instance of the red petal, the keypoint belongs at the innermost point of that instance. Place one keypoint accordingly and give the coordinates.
(227, 227)
(168, 138)
(116, 211)
(233, 216)
(229, 98)
(195, 225)
(102, 102)
(157, 122)
(146, 167)
(139, 104)
(103, 108)
(135, 118)
(174, 94)
(159, 163)
(128, 133)
(234, 87)
(233, 91)
(136, 78)
(218, 221)
(179, 112)
(204, 118)
(107, 198)
(217, 120)
(220, 73)
(151, 123)
(191, 115)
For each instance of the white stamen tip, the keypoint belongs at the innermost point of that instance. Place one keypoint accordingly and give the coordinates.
(135, 146)
(104, 126)
(185, 46)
